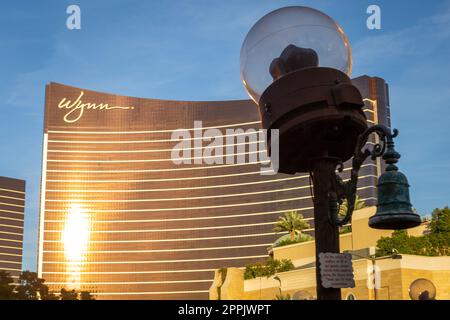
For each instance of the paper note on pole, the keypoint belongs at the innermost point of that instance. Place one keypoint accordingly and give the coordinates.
(336, 270)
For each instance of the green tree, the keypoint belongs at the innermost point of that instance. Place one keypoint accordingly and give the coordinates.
(439, 236)
(434, 243)
(440, 221)
(6, 286)
(85, 295)
(69, 294)
(398, 241)
(291, 222)
(30, 286)
(46, 294)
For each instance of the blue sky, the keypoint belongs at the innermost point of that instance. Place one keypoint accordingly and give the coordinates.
(190, 50)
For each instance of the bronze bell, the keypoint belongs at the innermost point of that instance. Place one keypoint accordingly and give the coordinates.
(394, 209)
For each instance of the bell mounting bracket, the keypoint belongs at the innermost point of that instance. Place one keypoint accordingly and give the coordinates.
(383, 147)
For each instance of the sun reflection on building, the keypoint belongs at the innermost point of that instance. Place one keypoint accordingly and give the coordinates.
(75, 238)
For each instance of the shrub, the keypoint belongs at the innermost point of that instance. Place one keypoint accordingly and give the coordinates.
(282, 296)
(267, 269)
(285, 265)
(286, 240)
(345, 229)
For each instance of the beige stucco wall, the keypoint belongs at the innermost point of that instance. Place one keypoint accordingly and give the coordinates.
(435, 269)
(300, 253)
(396, 274)
(304, 253)
(419, 230)
(362, 235)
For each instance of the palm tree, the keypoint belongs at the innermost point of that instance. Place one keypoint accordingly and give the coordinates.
(359, 204)
(291, 222)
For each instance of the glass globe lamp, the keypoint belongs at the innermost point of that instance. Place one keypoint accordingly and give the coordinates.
(422, 289)
(296, 64)
(305, 28)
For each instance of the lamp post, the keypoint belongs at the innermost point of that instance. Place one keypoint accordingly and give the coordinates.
(296, 64)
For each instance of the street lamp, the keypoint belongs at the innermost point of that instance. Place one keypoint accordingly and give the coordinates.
(296, 64)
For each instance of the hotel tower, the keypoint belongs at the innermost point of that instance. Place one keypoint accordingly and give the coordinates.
(12, 206)
(121, 219)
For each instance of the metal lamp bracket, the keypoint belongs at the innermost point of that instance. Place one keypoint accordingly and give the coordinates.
(347, 190)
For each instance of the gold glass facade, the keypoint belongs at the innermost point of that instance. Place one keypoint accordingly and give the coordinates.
(121, 220)
(12, 206)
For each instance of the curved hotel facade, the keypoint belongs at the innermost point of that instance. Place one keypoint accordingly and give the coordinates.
(120, 219)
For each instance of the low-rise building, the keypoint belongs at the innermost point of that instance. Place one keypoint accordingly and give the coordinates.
(383, 278)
